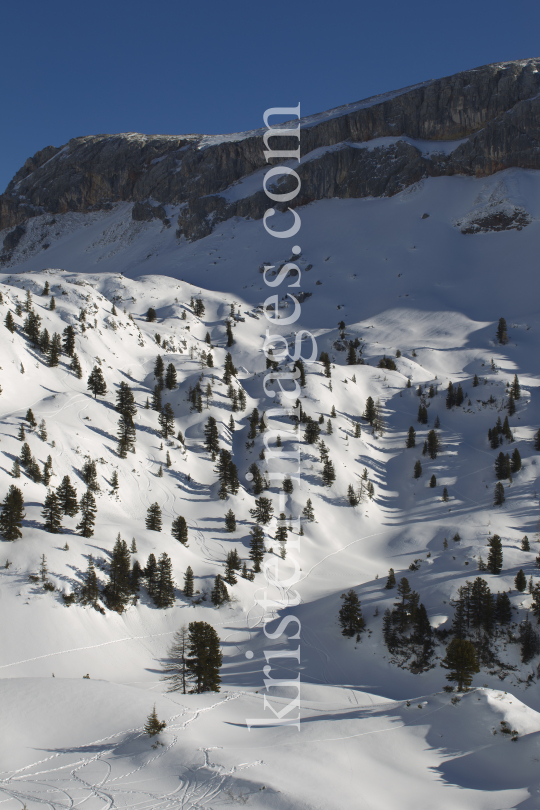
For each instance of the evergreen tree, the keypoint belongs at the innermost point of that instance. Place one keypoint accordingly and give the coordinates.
(32, 325)
(89, 593)
(357, 430)
(450, 396)
(211, 437)
(118, 590)
(411, 438)
(417, 469)
(433, 444)
(115, 484)
(391, 581)
(231, 566)
(495, 556)
(370, 412)
(502, 335)
(515, 463)
(405, 608)
(26, 455)
(175, 673)
(68, 343)
(328, 473)
(21, 435)
(351, 355)
(159, 368)
(230, 521)
(30, 418)
(179, 530)
(537, 440)
(503, 608)
(228, 328)
(501, 466)
(55, 350)
(171, 377)
(525, 545)
(12, 514)
(151, 575)
(89, 475)
(256, 553)
(422, 414)
(164, 593)
(125, 405)
(151, 315)
(43, 430)
(352, 497)
(530, 643)
(515, 388)
(205, 657)
(52, 513)
(445, 496)
(263, 511)
(227, 474)
(188, 582)
(9, 322)
(153, 518)
(511, 404)
(87, 505)
(307, 512)
(96, 382)
(520, 581)
(153, 725)
(75, 366)
(166, 421)
(156, 399)
(498, 497)
(33, 471)
(325, 360)
(52, 303)
(219, 593)
(16, 469)
(461, 662)
(432, 482)
(287, 485)
(350, 615)
(312, 432)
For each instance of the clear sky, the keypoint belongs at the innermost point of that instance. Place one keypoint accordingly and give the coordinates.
(74, 68)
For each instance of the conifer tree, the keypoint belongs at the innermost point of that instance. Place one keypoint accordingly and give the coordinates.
(166, 421)
(495, 556)
(445, 496)
(68, 343)
(43, 430)
(188, 582)
(433, 482)
(351, 355)
(118, 590)
(370, 412)
(89, 592)
(511, 404)
(89, 475)
(515, 463)
(55, 350)
(325, 360)
(525, 545)
(287, 485)
(515, 387)
(9, 322)
(171, 377)
(256, 553)
(96, 382)
(12, 514)
(417, 469)
(205, 657)
(179, 530)
(422, 414)
(30, 418)
(175, 672)
(164, 593)
(433, 444)
(228, 328)
(231, 566)
(151, 575)
(502, 335)
(153, 725)
(26, 455)
(230, 521)
(211, 437)
(352, 497)
(537, 440)
(156, 399)
(460, 660)
(16, 469)
(520, 581)
(529, 641)
(391, 581)
(52, 303)
(125, 405)
(87, 505)
(328, 473)
(263, 511)
(219, 593)
(159, 368)
(21, 435)
(498, 496)
(350, 615)
(151, 315)
(307, 512)
(115, 485)
(153, 518)
(75, 366)
(357, 430)
(411, 438)
(52, 514)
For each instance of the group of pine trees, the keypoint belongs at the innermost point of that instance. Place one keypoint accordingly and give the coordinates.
(406, 627)
(194, 660)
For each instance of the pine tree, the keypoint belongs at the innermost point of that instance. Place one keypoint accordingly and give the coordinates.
(153, 518)
(118, 590)
(87, 505)
(175, 672)
(537, 440)
(422, 414)
(89, 592)
(171, 377)
(515, 388)
(461, 662)
(495, 556)
(159, 368)
(352, 497)
(256, 553)
(503, 608)
(96, 382)
(16, 469)
(153, 725)
(211, 437)
(151, 315)
(530, 643)
(21, 435)
(115, 485)
(164, 596)
(52, 303)
(391, 581)
(357, 430)
(370, 411)
(12, 514)
(328, 473)
(351, 355)
(307, 512)
(179, 530)
(520, 581)
(525, 545)
(166, 421)
(89, 475)
(9, 322)
(205, 657)
(417, 469)
(26, 455)
(263, 511)
(125, 405)
(43, 430)
(55, 350)
(219, 593)
(325, 360)
(52, 513)
(68, 343)
(156, 399)
(502, 335)
(433, 444)
(515, 464)
(511, 404)
(498, 497)
(350, 615)
(445, 496)
(151, 575)
(230, 521)
(432, 482)
(287, 485)
(411, 438)
(228, 328)
(33, 471)
(75, 366)
(231, 566)
(188, 582)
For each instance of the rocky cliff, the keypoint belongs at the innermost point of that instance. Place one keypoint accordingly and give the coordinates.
(493, 110)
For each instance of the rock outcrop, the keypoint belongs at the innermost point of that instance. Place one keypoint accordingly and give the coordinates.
(493, 110)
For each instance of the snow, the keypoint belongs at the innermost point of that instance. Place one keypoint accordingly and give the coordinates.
(402, 282)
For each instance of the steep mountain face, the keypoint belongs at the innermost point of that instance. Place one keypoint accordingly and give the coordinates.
(375, 147)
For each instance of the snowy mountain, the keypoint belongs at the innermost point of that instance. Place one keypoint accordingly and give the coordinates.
(419, 276)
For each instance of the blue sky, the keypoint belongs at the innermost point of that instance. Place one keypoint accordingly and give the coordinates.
(70, 69)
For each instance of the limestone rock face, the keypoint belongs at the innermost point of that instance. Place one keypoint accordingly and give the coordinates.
(494, 110)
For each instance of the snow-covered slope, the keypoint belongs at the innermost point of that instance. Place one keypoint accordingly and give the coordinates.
(399, 281)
